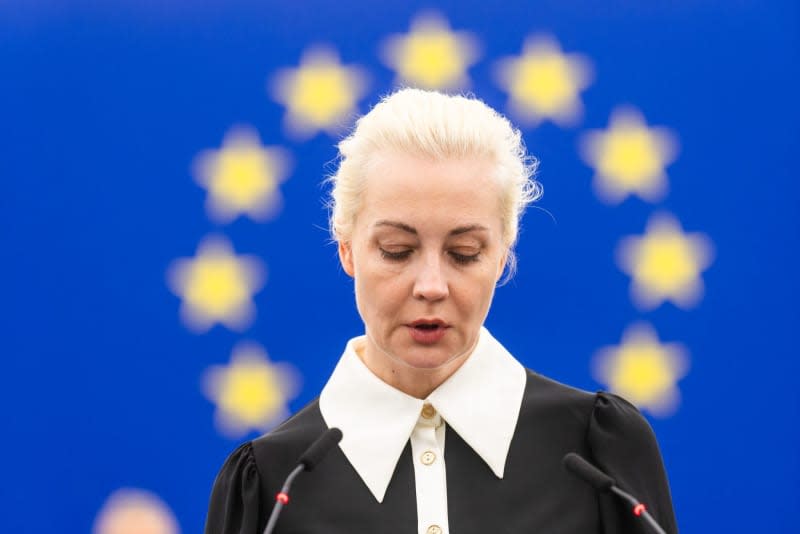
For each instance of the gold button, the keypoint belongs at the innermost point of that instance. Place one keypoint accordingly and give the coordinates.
(435, 529)
(428, 411)
(428, 457)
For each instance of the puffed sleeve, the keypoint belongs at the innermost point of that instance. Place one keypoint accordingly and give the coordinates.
(236, 505)
(623, 445)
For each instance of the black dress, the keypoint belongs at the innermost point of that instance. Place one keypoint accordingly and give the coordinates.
(536, 493)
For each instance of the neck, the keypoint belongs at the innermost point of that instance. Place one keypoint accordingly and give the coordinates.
(413, 381)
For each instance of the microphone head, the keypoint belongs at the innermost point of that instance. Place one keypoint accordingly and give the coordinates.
(578, 466)
(317, 451)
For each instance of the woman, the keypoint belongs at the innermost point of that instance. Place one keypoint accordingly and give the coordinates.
(444, 431)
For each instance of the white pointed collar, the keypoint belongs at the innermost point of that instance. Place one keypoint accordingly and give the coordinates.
(480, 401)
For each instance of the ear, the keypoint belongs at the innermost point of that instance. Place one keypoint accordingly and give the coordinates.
(501, 267)
(346, 257)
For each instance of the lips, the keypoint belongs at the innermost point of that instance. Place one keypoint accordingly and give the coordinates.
(428, 322)
(427, 331)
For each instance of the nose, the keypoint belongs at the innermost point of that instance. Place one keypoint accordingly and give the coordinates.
(430, 282)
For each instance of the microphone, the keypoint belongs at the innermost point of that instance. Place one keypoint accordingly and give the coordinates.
(578, 466)
(317, 451)
(586, 471)
(307, 462)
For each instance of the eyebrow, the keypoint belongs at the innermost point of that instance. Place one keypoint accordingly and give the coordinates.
(411, 230)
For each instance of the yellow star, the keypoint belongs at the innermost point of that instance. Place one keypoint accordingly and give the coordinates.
(216, 286)
(431, 56)
(242, 177)
(134, 511)
(251, 393)
(544, 83)
(629, 158)
(642, 370)
(321, 94)
(665, 263)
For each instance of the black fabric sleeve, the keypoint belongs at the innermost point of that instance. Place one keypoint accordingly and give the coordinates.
(236, 504)
(623, 444)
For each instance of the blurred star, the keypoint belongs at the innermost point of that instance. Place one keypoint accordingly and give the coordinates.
(431, 56)
(251, 393)
(241, 177)
(320, 94)
(629, 158)
(544, 83)
(642, 370)
(216, 286)
(132, 511)
(665, 263)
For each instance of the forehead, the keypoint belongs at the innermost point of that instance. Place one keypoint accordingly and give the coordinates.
(416, 190)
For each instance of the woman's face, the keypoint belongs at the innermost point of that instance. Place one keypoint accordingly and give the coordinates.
(425, 254)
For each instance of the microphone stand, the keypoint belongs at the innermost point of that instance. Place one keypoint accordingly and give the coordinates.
(282, 498)
(638, 508)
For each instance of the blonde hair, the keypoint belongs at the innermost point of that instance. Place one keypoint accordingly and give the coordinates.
(436, 126)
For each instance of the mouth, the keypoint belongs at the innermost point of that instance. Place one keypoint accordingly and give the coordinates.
(428, 324)
(428, 331)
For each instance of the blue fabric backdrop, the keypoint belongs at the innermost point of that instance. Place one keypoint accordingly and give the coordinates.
(113, 115)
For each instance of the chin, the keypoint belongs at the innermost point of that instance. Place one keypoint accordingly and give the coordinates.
(429, 359)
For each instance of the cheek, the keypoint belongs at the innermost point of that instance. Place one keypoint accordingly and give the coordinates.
(477, 293)
(380, 292)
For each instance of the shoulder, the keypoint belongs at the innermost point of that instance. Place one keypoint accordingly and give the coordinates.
(611, 433)
(543, 393)
(235, 505)
(277, 451)
(552, 392)
(257, 468)
(281, 448)
(617, 423)
(240, 464)
(548, 399)
(602, 419)
(622, 444)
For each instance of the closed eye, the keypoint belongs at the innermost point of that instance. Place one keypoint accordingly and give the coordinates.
(464, 259)
(395, 256)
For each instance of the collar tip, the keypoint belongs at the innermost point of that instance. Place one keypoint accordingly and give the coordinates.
(377, 492)
(498, 472)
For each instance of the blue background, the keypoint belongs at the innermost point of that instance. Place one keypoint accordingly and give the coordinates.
(104, 106)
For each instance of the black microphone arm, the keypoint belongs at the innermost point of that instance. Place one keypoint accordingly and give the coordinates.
(578, 466)
(307, 462)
